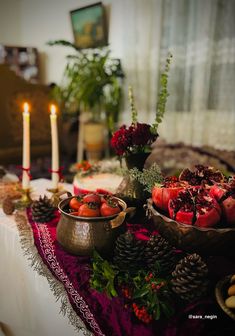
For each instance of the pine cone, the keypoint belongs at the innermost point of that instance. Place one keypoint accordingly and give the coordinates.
(189, 279)
(42, 210)
(128, 252)
(159, 252)
(8, 206)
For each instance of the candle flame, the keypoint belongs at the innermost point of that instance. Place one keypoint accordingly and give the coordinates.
(53, 109)
(26, 107)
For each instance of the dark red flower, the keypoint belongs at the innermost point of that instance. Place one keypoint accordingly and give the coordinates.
(130, 139)
(121, 140)
(141, 135)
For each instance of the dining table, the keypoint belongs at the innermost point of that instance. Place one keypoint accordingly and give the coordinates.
(30, 306)
(27, 304)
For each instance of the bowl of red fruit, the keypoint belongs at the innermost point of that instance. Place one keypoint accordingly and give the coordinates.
(89, 222)
(195, 212)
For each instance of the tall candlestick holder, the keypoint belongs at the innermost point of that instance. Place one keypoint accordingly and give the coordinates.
(25, 199)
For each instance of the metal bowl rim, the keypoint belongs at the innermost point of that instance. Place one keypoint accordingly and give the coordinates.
(78, 218)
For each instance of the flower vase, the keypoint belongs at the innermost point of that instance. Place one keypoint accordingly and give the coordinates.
(136, 160)
(133, 188)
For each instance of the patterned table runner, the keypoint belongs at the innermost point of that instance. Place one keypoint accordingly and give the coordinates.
(69, 276)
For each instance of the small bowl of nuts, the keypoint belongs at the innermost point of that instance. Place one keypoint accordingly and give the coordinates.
(225, 295)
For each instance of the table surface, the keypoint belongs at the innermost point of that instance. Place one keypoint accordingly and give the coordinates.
(27, 304)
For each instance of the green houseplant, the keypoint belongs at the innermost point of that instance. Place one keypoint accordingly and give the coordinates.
(91, 86)
(92, 82)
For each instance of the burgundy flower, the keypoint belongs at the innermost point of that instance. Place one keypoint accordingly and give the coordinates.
(121, 140)
(135, 136)
(141, 135)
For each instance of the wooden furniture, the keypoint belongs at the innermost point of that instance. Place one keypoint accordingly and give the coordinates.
(13, 92)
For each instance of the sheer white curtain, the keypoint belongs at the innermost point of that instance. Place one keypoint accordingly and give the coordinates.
(201, 107)
(201, 36)
(135, 30)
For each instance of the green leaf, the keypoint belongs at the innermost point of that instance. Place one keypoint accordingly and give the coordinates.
(63, 43)
(168, 310)
(139, 293)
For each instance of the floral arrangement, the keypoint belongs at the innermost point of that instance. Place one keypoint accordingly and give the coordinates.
(138, 137)
(85, 168)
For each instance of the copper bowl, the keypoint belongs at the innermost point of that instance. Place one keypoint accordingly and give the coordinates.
(221, 295)
(81, 235)
(205, 241)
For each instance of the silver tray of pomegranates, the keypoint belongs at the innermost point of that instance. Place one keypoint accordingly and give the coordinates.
(196, 218)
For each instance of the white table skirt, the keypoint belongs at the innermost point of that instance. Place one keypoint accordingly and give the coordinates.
(27, 305)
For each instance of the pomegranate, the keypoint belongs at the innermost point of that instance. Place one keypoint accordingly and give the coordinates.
(202, 175)
(195, 206)
(224, 193)
(161, 194)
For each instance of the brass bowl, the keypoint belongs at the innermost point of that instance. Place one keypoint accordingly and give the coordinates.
(81, 235)
(221, 290)
(205, 241)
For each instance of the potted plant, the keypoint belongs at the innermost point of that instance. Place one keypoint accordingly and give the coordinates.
(92, 85)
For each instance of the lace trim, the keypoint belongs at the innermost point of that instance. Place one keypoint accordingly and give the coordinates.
(57, 286)
(49, 255)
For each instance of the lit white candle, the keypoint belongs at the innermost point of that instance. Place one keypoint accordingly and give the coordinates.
(26, 147)
(55, 148)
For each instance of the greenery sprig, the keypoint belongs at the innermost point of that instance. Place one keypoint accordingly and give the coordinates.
(141, 289)
(103, 275)
(152, 291)
(134, 114)
(148, 177)
(162, 95)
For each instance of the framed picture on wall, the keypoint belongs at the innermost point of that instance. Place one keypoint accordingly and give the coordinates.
(89, 26)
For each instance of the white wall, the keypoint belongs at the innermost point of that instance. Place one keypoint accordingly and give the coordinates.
(35, 22)
(10, 22)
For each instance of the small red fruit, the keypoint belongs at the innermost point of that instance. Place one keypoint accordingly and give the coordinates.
(92, 198)
(89, 210)
(109, 208)
(76, 202)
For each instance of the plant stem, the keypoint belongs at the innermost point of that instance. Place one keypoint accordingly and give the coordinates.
(134, 115)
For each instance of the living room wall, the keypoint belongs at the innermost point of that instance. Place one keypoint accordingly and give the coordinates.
(10, 22)
(34, 23)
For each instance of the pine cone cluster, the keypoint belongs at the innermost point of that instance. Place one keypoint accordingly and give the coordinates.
(190, 278)
(132, 253)
(128, 252)
(42, 210)
(159, 253)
